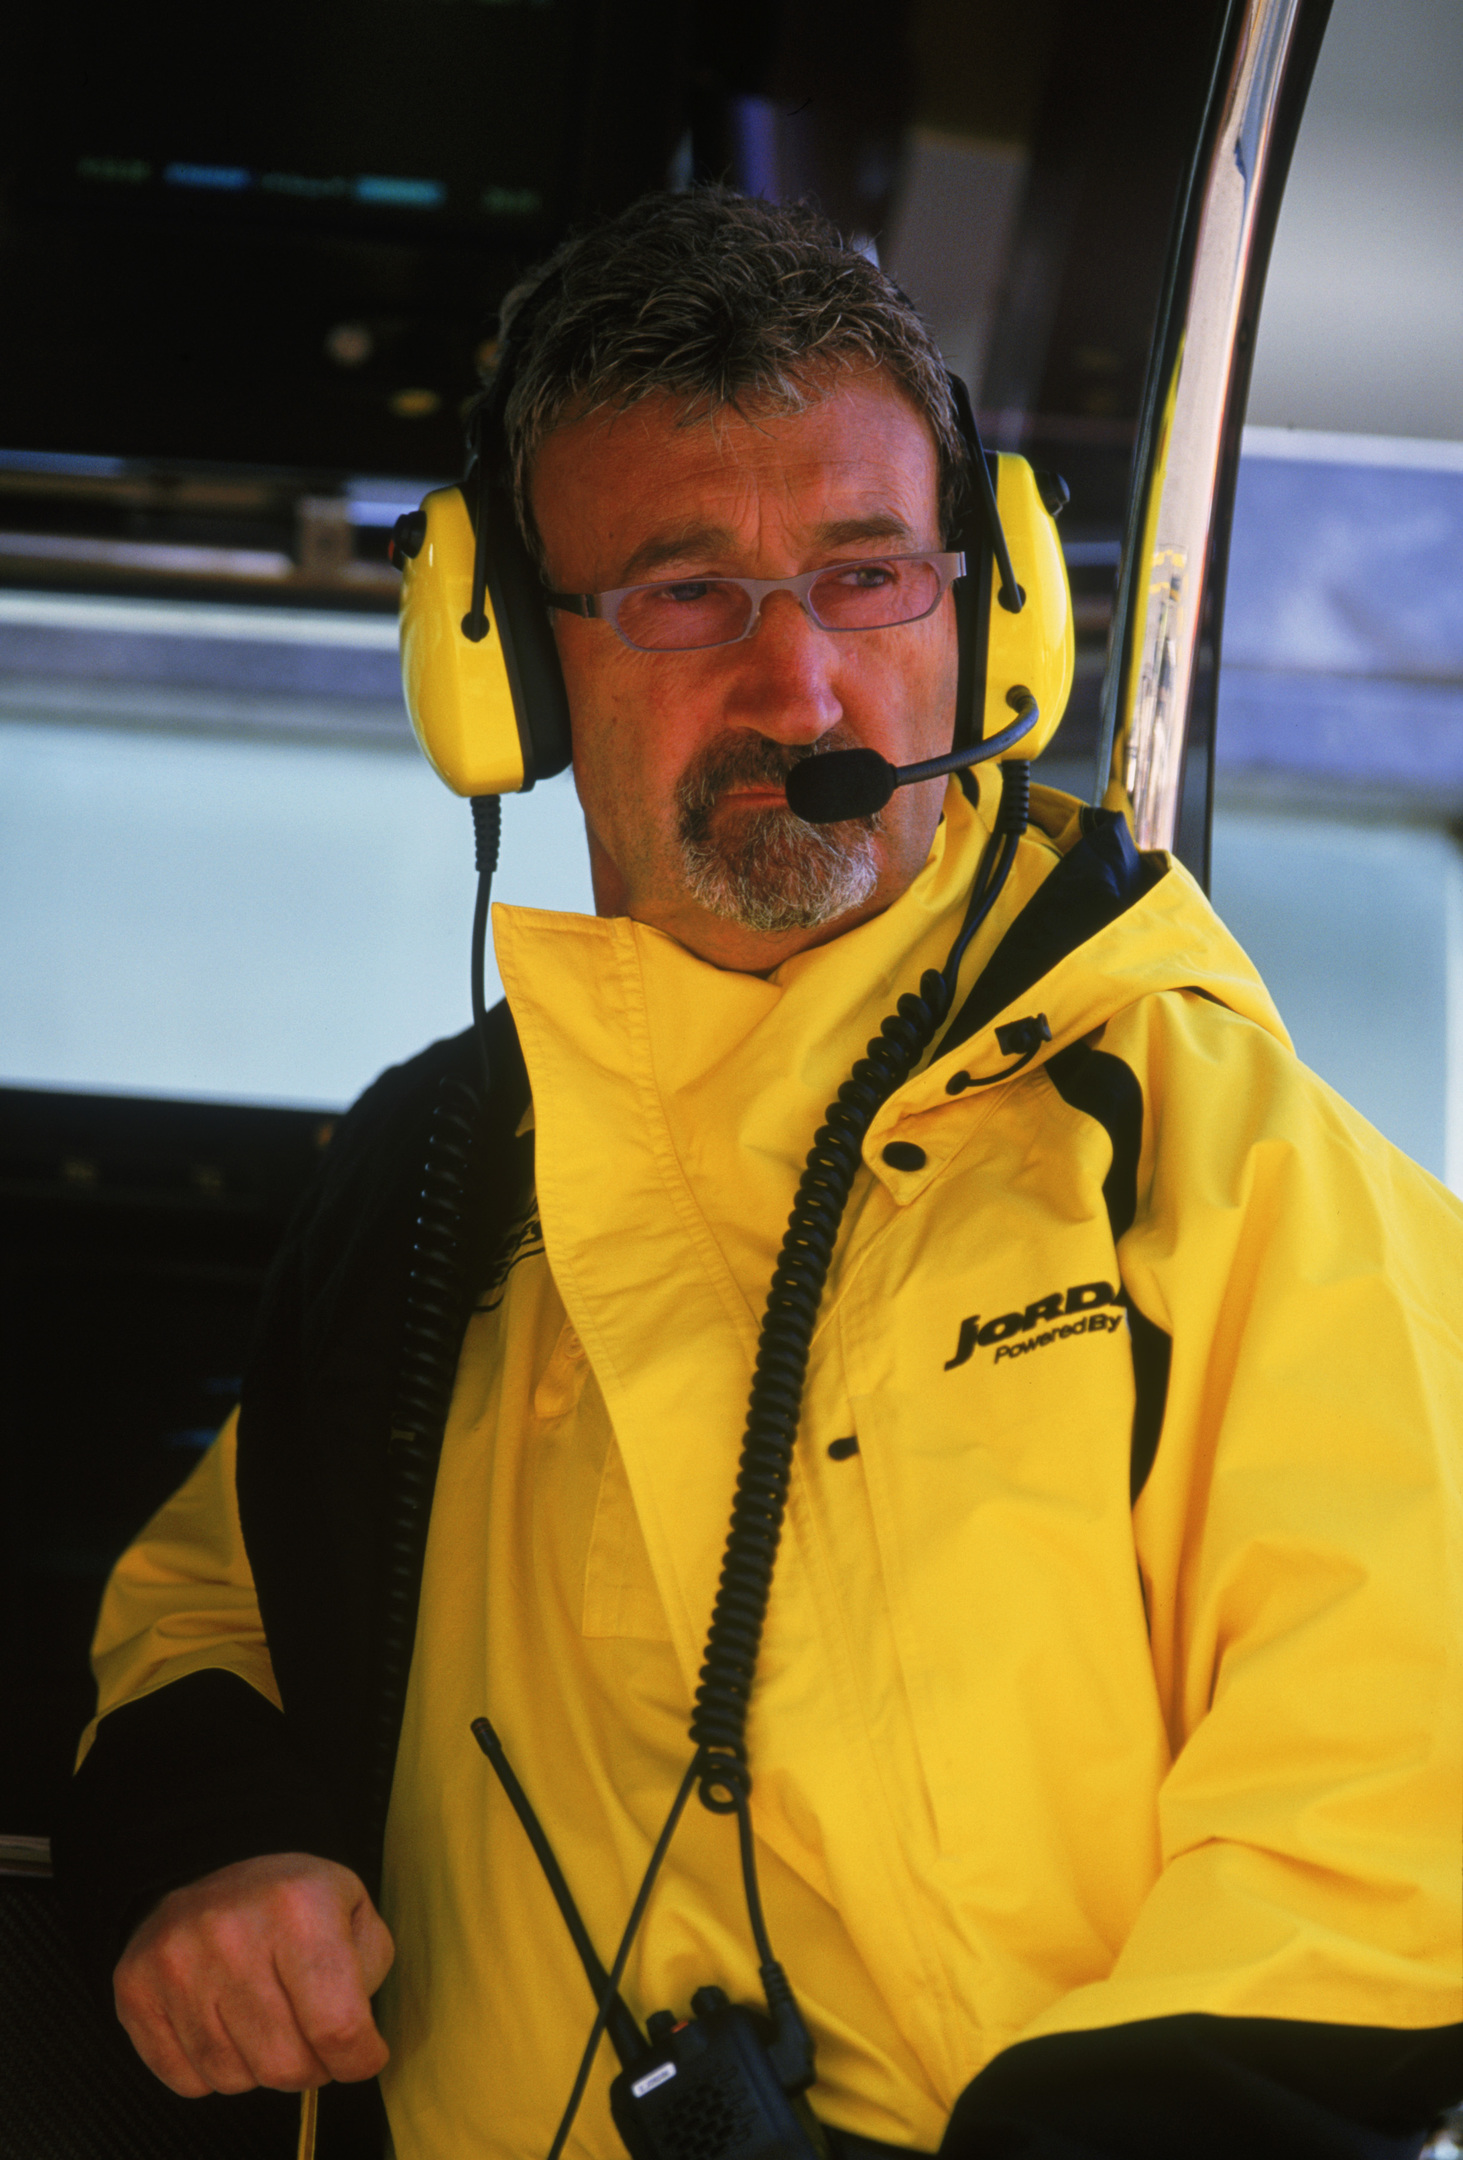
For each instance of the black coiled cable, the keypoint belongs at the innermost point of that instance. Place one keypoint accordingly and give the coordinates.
(718, 1726)
(438, 1298)
(1014, 813)
(719, 1769)
(435, 1298)
(723, 1696)
(436, 1312)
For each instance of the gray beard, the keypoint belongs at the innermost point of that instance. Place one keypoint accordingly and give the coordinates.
(771, 872)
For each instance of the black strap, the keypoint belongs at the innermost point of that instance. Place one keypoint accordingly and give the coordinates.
(1099, 880)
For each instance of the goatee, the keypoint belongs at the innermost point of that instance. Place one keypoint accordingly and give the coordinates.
(766, 869)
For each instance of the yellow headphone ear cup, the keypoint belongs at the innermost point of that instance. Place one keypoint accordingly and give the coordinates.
(458, 694)
(1036, 649)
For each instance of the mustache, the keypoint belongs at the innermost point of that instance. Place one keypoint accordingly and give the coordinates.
(737, 757)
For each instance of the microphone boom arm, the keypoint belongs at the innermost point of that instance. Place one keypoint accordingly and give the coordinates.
(977, 753)
(857, 783)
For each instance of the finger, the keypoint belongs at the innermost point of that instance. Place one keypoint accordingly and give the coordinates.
(375, 1950)
(151, 2033)
(260, 2024)
(166, 1998)
(327, 1994)
(168, 2045)
(194, 2055)
(210, 2049)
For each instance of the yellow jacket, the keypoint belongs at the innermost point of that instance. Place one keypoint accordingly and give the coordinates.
(1030, 1758)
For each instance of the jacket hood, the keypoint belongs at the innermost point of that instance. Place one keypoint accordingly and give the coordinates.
(1107, 925)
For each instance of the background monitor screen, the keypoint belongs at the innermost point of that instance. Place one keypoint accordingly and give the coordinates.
(348, 116)
(280, 235)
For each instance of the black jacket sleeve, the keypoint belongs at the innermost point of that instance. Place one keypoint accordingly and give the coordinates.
(181, 1782)
(204, 1771)
(1211, 2088)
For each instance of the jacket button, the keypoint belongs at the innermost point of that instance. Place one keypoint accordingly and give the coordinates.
(904, 1155)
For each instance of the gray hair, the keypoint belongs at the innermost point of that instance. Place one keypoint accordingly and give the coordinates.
(721, 300)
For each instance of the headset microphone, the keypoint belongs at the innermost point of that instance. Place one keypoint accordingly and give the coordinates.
(857, 783)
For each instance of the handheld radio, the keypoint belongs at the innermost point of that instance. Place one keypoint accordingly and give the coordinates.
(726, 2083)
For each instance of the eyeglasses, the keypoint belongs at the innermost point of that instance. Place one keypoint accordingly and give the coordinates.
(690, 614)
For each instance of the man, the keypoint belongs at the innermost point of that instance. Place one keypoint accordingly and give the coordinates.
(1105, 1738)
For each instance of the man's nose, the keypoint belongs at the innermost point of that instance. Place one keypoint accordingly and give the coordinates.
(785, 681)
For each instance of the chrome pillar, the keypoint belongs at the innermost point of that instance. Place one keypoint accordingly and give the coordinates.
(1178, 524)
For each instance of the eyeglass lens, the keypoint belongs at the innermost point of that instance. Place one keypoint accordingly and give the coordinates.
(714, 611)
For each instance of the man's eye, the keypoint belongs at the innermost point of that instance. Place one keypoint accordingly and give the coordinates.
(689, 590)
(868, 576)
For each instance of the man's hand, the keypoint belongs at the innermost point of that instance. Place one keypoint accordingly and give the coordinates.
(260, 1974)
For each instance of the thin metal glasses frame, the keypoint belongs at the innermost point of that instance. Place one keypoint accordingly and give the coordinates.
(605, 606)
